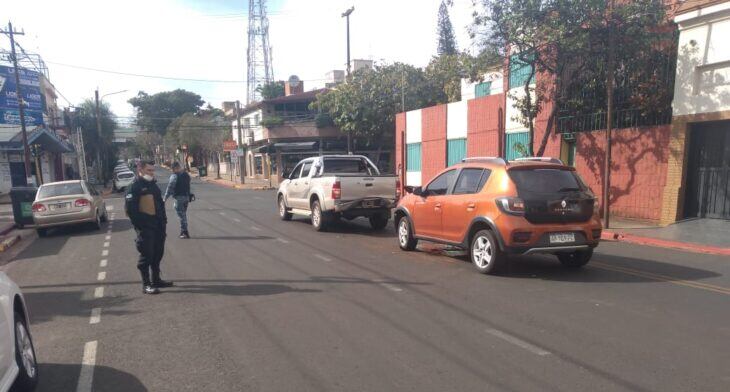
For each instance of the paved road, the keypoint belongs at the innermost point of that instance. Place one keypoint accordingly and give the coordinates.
(267, 305)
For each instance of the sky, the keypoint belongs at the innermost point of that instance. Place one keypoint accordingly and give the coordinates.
(198, 39)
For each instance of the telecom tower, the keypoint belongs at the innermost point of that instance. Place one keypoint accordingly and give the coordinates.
(260, 70)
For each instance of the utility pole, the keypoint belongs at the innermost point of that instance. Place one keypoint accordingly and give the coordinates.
(609, 119)
(346, 15)
(241, 161)
(99, 170)
(21, 109)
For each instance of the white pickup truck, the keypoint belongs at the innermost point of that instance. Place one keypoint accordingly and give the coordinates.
(334, 186)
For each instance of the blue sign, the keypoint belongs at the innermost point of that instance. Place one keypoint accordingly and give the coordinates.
(30, 92)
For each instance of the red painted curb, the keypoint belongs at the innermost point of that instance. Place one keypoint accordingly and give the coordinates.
(687, 246)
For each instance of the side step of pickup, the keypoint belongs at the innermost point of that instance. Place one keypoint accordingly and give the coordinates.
(300, 211)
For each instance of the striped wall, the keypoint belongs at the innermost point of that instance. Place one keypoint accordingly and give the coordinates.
(414, 136)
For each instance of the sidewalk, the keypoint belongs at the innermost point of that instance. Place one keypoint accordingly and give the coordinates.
(225, 181)
(696, 235)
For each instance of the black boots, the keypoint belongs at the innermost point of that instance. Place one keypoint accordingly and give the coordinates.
(149, 289)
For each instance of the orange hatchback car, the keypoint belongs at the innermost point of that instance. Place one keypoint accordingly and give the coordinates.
(496, 208)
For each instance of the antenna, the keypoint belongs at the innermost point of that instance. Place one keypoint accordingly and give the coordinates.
(260, 70)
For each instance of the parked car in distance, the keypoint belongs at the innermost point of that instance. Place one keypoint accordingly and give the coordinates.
(334, 186)
(18, 365)
(122, 180)
(67, 203)
(495, 208)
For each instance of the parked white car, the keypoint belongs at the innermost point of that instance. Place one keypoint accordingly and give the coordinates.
(334, 186)
(18, 366)
(122, 180)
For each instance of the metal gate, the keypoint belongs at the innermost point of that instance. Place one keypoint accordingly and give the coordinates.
(708, 184)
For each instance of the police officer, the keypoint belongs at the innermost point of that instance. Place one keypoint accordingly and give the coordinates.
(179, 189)
(146, 209)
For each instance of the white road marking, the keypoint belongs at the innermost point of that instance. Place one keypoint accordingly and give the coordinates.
(106, 244)
(236, 220)
(222, 213)
(86, 378)
(255, 228)
(258, 198)
(99, 292)
(110, 208)
(319, 256)
(108, 237)
(95, 316)
(518, 342)
(103, 263)
(101, 276)
(105, 252)
(391, 287)
(283, 241)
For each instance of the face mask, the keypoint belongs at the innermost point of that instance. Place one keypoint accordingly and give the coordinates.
(148, 177)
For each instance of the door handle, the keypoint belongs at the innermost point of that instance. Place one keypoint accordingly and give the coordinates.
(471, 206)
(438, 205)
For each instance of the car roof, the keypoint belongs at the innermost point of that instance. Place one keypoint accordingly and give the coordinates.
(63, 182)
(492, 163)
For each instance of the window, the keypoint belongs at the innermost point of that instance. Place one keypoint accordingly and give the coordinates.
(471, 181)
(256, 119)
(52, 190)
(517, 144)
(441, 184)
(455, 151)
(413, 157)
(545, 180)
(346, 165)
(306, 169)
(296, 172)
(259, 164)
(483, 89)
(519, 72)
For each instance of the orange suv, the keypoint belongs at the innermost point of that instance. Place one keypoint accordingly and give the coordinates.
(496, 208)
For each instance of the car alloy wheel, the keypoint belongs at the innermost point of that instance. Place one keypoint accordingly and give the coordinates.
(482, 252)
(25, 346)
(316, 215)
(282, 207)
(403, 233)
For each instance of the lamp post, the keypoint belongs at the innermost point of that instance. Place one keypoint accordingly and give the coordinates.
(346, 15)
(100, 170)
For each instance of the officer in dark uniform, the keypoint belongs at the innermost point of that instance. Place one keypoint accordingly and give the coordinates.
(146, 209)
(179, 188)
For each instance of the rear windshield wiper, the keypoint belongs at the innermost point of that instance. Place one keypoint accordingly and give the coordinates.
(568, 189)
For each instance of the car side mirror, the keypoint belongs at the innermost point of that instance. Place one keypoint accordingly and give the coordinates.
(418, 191)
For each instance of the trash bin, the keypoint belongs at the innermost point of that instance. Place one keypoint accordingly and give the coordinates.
(22, 198)
(202, 171)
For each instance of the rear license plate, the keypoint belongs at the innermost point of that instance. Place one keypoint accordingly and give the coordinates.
(562, 238)
(369, 204)
(59, 206)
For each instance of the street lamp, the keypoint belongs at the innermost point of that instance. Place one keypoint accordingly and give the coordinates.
(346, 15)
(100, 170)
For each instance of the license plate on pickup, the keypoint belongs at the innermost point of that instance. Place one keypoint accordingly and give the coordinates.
(58, 206)
(562, 238)
(369, 203)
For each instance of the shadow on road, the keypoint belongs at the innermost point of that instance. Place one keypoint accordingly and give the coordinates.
(48, 305)
(64, 377)
(355, 226)
(239, 290)
(223, 237)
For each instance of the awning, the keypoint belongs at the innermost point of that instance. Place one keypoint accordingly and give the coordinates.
(46, 139)
(264, 148)
(296, 146)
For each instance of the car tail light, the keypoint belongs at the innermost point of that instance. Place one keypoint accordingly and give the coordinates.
(511, 205)
(82, 203)
(397, 188)
(38, 207)
(336, 190)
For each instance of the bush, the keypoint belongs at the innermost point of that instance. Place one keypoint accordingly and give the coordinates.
(323, 120)
(272, 121)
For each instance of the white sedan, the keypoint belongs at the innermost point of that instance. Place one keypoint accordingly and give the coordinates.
(18, 366)
(122, 180)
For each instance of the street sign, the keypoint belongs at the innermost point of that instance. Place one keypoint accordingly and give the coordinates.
(239, 152)
(230, 145)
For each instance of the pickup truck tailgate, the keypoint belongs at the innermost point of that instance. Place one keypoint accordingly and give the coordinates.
(355, 188)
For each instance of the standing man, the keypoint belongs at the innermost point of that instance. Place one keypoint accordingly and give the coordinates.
(179, 188)
(146, 210)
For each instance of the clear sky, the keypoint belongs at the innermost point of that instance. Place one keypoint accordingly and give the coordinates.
(206, 39)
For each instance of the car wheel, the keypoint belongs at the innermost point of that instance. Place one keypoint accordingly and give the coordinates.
(485, 253)
(105, 216)
(97, 222)
(24, 356)
(284, 213)
(406, 240)
(378, 222)
(319, 218)
(575, 259)
(42, 232)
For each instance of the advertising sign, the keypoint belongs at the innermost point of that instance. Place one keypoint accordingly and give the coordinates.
(30, 92)
(230, 145)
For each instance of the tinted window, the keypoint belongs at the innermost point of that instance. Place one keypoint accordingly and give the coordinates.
(345, 165)
(470, 181)
(440, 185)
(306, 169)
(295, 172)
(545, 180)
(53, 190)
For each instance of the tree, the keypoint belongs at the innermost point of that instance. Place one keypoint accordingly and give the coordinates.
(365, 106)
(203, 133)
(271, 90)
(144, 145)
(156, 112)
(93, 142)
(445, 72)
(445, 31)
(563, 41)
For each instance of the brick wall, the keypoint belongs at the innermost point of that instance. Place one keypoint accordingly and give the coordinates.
(552, 148)
(400, 128)
(483, 126)
(638, 172)
(433, 142)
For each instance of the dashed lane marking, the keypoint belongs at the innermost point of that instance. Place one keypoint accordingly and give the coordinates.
(108, 237)
(106, 244)
(255, 228)
(518, 342)
(101, 276)
(391, 287)
(236, 220)
(319, 256)
(283, 241)
(103, 263)
(86, 378)
(95, 316)
(105, 252)
(110, 208)
(99, 292)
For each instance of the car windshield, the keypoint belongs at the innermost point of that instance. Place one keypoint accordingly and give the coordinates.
(52, 190)
(545, 180)
(348, 165)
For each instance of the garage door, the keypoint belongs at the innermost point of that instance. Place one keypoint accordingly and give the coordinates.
(708, 183)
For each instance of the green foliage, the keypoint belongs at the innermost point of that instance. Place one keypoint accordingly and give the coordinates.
(156, 112)
(86, 119)
(446, 38)
(271, 90)
(323, 120)
(444, 74)
(272, 121)
(203, 134)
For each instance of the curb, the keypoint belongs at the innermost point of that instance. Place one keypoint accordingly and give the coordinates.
(7, 229)
(659, 243)
(9, 242)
